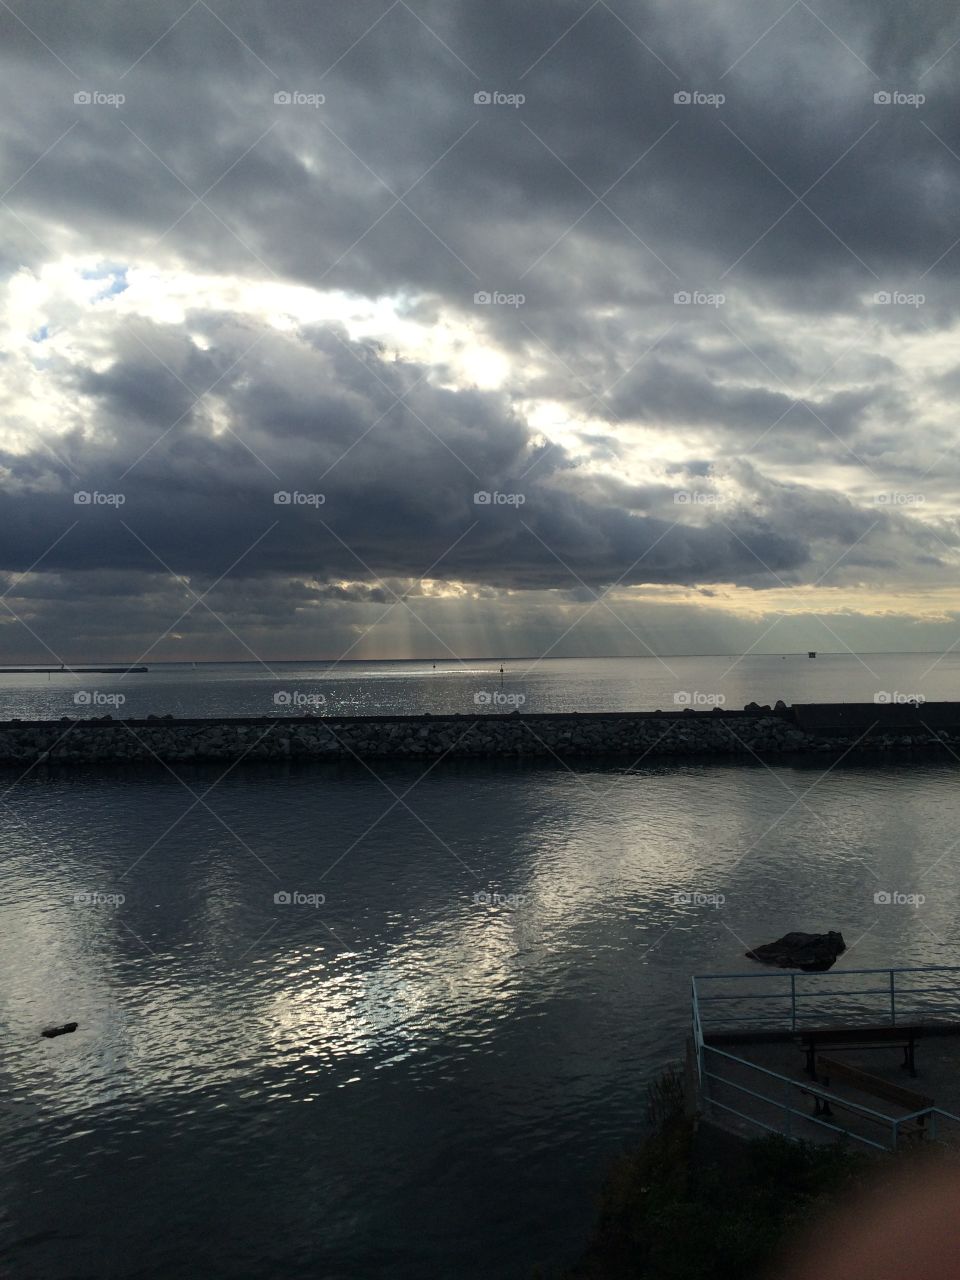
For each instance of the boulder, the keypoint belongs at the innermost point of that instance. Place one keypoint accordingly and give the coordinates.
(811, 952)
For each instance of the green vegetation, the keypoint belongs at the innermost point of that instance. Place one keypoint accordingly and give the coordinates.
(693, 1203)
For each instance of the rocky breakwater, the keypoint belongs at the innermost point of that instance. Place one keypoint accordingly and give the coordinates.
(754, 732)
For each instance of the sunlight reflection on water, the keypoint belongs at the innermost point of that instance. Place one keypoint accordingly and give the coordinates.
(409, 1079)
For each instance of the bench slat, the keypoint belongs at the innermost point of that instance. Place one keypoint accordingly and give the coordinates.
(904, 1036)
(885, 1034)
(874, 1084)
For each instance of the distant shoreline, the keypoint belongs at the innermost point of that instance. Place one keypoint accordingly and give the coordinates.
(451, 662)
(73, 671)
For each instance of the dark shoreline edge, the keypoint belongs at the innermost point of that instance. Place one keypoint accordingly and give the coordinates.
(692, 1200)
(755, 733)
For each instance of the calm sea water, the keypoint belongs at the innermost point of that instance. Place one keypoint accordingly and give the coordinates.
(560, 684)
(401, 1080)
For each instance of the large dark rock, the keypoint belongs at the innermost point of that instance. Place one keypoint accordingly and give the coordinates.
(808, 951)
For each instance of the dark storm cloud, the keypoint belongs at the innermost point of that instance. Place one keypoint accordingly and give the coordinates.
(595, 101)
(397, 461)
(663, 393)
(599, 199)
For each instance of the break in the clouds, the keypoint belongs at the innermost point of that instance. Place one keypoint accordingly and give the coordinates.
(394, 328)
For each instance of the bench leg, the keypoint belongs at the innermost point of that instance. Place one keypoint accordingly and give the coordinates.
(908, 1059)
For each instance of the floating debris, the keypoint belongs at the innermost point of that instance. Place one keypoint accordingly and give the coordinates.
(50, 1032)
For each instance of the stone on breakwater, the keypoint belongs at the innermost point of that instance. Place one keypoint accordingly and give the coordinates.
(755, 732)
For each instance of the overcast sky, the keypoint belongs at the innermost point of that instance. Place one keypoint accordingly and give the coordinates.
(286, 287)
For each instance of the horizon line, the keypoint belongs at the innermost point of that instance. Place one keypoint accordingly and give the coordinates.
(596, 657)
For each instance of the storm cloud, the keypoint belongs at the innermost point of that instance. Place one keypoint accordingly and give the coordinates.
(674, 285)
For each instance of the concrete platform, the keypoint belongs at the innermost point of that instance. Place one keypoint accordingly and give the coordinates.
(789, 1106)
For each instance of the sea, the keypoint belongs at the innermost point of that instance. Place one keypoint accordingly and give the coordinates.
(478, 686)
(393, 1019)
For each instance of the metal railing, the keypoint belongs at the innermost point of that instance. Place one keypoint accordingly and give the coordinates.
(805, 998)
(801, 997)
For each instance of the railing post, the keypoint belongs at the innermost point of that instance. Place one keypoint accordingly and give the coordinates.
(893, 1005)
(787, 1114)
(895, 1129)
(793, 1002)
(706, 1089)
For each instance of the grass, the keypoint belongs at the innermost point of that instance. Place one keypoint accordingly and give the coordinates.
(691, 1204)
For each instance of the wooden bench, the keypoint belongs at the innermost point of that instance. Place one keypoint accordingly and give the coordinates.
(903, 1037)
(833, 1068)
